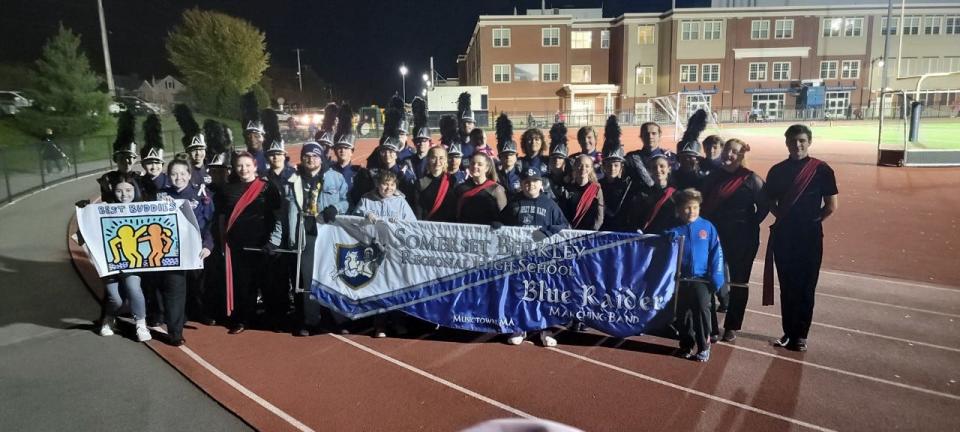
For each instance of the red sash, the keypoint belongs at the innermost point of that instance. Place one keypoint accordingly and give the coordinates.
(724, 190)
(799, 186)
(441, 194)
(471, 193)
(667, 193)
(251, 194)
(585, 200)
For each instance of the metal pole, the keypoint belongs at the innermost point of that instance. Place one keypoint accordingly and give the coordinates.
(6, 174)
(403, 79)
(299, 74)
(886, 48)
(106, 50)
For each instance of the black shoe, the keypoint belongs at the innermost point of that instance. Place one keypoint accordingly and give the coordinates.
(800, 345)
(178, 342)
(684, 353)
(301, 332)
(729, 335)
(207, 321)
(237, 329)
(714, 338)
(721, 309)
(782, 342)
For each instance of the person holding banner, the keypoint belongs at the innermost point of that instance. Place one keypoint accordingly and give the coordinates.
(250, 207)
(480, 199)
(701, 275)
(802, 192)
(581, 198)
(434, 200)
(177, 286)
(734, 203)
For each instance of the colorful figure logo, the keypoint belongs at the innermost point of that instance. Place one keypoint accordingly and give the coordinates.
(141, 242)
(357, 263)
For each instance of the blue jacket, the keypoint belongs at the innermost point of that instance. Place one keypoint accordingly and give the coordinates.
(333, 192)
(702, 254)
(540, 212)
(202, 208)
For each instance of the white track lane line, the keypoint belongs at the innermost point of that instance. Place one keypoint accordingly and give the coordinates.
(232, 383)
(436, 379)
(913, 284)
(714, 398)
(854, 299)
(866, 333)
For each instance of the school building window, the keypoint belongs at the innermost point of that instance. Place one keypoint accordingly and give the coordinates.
(832, 27)
(760, 29)
(951, 25)
(644, 75)
(551, 37)
(689, 30)
(581, 39)
(710, 73)
(828, 69)
(783, 29)
(850, 69)
(892, 28)
(580, 74)
(698, 102)
(781, 71)
(646, 34)
(688, 73)
(853, 27)
(770, 105)
(758, 72)
(501, 38)
(604, 38)
(551, 72)
(836, 103)
(931, 25)
(501, 73)
(711, 29)
(911, 25)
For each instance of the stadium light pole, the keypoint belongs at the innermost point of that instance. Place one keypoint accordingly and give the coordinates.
(108, 69)
(403, 79)
(879, 62)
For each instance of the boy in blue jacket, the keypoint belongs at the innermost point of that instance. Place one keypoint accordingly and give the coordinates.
(701, 275)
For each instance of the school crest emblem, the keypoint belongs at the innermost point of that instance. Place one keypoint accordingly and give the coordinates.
(357, 263)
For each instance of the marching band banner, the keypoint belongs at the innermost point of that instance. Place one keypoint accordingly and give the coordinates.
(141, 236)
(510, 279)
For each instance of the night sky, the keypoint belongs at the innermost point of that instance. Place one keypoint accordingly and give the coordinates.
(356, 46)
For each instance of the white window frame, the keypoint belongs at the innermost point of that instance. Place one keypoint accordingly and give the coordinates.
(689, 30)
(713, 75)
(951, 25)
(508, 73)
(832, 27)
(932, 25)
(555, 70)
(547, 38)
(757, 74)
(645, 72)
(853, 27)
(604, 39)
(779, 72)
(715, 31)
(831, 66)
(641, 30)
(764, 99)
(589, 69)
(850, 69)
(759, 29)
(697, 102)
(893, 29)
(781, 30)
(830, 100)
(911, 25)
(504, 36)
(689, 73)
(577, 41)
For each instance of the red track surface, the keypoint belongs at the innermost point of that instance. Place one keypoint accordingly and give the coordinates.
(884, 354)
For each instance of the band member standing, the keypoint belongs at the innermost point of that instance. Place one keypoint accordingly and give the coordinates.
(557, 163)
(802, 192)
(455, 163)
(480, 198)
(581, 197)
(467, 120)
(151, 158)
(281, 268)
(422, 142)
(617, 188)
(434, 199)
(253, 134)
(735, 203)
(654, 207)
(124, 155)
(387, 159)
(535, 151)
(194, 143)
(508, 174)
(712, 148)
(587, 137)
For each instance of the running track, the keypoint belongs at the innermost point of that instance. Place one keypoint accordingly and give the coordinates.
(884, 349)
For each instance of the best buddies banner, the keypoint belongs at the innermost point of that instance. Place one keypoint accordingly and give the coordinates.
(510, 279)
(141, 236)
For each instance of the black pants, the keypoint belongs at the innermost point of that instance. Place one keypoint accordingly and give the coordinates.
(248, 271)
(151, 283)
(308, 312)
(214, 282)
(739, 251)
(798, 253)
(693, 315)
(173, 291)
(281, 270)
(196, 293)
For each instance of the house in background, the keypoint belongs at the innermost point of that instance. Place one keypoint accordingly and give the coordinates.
(162, 91)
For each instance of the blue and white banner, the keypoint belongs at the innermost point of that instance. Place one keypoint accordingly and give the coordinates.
(141, 236)
(511, 279)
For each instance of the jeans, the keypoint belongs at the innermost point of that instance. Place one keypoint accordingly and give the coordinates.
(130, 285)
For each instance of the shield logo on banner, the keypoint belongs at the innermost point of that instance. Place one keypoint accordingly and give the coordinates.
(357, 263)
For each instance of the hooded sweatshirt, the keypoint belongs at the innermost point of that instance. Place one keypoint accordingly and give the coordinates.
(394, 206)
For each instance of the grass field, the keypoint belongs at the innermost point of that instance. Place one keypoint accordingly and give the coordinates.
(934, 133)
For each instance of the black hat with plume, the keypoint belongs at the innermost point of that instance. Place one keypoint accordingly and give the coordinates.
(251, 114)
(558, 140)
(192, 138)
(126, 135)
(612, 147)
(505, 142)
(152, 150)
(271, 127)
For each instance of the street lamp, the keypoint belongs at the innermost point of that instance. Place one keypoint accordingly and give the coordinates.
(403, 79)
(636, 83)
(879, 62)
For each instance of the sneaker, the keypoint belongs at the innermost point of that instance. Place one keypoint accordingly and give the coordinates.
(714, 338)
(547, 340)
(782, 342)
(729, 335)
(301, 332)
(702, 356)
(379, 334)
(106, 327)
(143, 333)
(517, 338)
(684, 353)
(800, 345)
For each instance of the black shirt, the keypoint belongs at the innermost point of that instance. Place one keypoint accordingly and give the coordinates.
(254, 226)
(426, 194)
(807, 209)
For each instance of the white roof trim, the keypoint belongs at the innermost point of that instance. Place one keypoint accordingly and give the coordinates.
(742, 53)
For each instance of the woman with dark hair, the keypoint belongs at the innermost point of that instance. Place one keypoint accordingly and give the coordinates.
(434, 197)
(480, 199)
(250, 207)
(535, 151)
(581, 197)
(655, 211)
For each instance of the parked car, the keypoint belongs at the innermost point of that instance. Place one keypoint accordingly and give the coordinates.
(137, 105)
(11, 102)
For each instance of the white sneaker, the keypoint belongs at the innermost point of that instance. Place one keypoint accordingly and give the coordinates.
(106, 327)
(380, 334)
(517, 338)
(547, 340)
(143, 333)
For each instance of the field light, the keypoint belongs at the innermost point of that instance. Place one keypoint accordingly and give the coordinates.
(403, 70)
(317, 118)
(424, 92)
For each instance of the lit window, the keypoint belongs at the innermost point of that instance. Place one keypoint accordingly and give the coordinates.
(580, 74)
(645, 75)
(581, 39)
(646, 34)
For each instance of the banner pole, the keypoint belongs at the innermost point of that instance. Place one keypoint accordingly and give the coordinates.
(676, 287)
(300, 245)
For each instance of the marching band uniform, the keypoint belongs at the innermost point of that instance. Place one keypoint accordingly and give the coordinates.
(124, 147)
